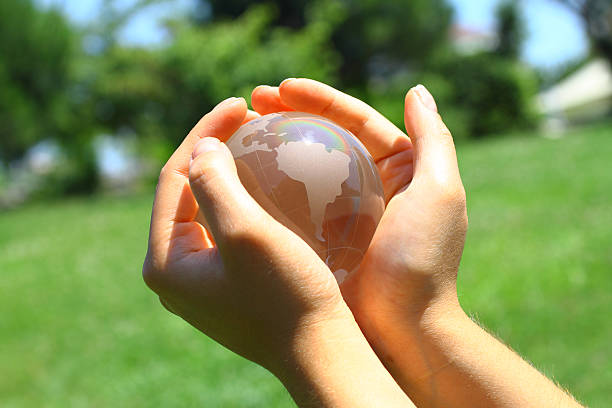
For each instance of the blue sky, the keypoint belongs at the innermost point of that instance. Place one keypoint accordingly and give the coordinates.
(555, 34)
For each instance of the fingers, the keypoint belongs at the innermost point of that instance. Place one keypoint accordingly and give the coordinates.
(226, 205)
(266, 99)
(379, 135)
(435, 158)
(221, 123)
(174, 204)
(250, 115)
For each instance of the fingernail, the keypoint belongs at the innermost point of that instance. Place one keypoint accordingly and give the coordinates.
(206, 144)
(286, 80)
(426, 98)
(226, 102)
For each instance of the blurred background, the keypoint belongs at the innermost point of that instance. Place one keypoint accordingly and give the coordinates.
(96, 94)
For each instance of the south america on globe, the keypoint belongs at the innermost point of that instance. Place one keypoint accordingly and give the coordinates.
(314, 177)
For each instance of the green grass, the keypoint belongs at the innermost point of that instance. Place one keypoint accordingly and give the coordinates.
(536, 268)
(79, 328)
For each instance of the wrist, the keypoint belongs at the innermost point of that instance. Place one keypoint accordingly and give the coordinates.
(406, 299)
(401, 333)
(309, 350)
(330, 363)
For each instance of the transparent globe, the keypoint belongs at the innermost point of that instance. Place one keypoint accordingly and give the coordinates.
(314, 177)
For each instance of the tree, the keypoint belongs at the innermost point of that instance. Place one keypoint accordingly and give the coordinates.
(489, 92)
(35, 51)
(112, 17)
(510, 30)
(597, 17)
(374, 39)
(287, 13)
(158, 94)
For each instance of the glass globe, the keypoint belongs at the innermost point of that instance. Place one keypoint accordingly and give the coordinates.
(314, 177)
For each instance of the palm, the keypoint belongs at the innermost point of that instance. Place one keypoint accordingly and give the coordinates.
(391, 148)
(396, 173)
(409, 244)
(178, 241)
(191, 272)
(177, 237)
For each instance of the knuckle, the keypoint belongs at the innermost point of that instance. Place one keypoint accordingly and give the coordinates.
(241, 234)
(203, 170)
(245, 234)
(168, 171)
(197, 175)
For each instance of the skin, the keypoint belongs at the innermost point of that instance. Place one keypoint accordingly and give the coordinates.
(404, 295)
(250, 283)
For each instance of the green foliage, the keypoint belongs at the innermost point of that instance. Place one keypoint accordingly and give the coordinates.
(80, 328)
(510, 29)
(478, 95)
(487, 95)
(40, 94)
(77, 173)
(373, 37)
(387, 47)
(161, 94)
(287, 13)
(383, 38)
(35, 52)
(112, 17)
(371, 49)
(550, 77)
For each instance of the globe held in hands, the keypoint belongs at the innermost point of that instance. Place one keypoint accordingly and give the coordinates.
(314, 177)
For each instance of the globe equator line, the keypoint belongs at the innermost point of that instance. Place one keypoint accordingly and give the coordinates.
(347, 247)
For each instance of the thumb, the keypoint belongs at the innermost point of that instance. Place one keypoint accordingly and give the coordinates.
(223, 200)
(435, 157)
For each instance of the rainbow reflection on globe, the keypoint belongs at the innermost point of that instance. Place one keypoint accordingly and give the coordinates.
(314, 177)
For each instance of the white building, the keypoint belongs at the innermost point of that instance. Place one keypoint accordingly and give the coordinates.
(585, 95)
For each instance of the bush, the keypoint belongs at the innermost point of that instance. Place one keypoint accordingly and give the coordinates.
(160, 94)
(477, 96)
(489, 94)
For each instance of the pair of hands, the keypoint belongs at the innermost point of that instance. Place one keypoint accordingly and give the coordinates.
(254, 286)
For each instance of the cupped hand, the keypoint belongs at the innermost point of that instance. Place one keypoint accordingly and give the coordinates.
(404, 294)
(411, 265)
(244, 279)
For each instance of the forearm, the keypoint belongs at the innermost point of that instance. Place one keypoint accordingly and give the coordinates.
(445, 359)
(334, 366)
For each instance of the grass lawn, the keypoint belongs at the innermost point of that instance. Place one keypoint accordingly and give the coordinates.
(79, 328)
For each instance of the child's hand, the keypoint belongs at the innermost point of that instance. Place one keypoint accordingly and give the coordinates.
(252, 284)
(404, 294)
(412, 262)
(260, 283)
